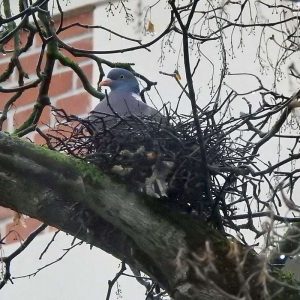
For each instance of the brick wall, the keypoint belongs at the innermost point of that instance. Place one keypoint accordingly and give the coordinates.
(66, 92)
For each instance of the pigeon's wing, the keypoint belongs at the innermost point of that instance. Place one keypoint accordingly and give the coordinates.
(120, 105)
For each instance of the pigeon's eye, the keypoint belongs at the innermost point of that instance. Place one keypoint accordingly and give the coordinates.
(122, 76)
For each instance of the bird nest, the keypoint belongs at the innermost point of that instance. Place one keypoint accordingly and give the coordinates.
(160, 158)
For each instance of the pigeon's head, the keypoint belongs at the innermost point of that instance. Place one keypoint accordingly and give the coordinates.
(121, 80)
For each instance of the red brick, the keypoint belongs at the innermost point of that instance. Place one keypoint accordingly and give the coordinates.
(85, 18)
(88, 71)
(37, 41)
(6, 213)
(23, 38)
(8, 47)
(4, 97)
(28, 96)
(22, 116)
(61, 83)
(3, 67)
(45, 117)
(61, 132)
(75, 105)
(38, 139)
(19, 232)
(29, 63)
(84, 44)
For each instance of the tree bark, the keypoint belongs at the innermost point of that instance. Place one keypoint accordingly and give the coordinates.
(187, 258)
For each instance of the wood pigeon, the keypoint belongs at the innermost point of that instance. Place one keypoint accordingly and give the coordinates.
(121, 124)
(122, 101)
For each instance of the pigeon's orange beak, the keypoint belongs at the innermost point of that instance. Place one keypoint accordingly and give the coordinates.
(105, 82)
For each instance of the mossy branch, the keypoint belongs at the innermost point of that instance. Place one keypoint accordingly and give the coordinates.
(66, 61)
(78, 198)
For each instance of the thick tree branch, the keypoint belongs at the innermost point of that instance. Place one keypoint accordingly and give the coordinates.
(76, 197)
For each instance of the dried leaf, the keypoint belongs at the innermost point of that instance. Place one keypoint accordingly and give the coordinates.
(18, 219)
(295, 103)
(150, 27)
(177, 75)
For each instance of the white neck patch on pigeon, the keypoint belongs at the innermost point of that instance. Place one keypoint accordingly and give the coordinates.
(136, 96)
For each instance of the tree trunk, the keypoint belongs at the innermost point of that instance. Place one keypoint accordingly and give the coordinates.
(187, 258)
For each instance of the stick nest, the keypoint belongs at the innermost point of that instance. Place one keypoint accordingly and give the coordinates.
(160, 158)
